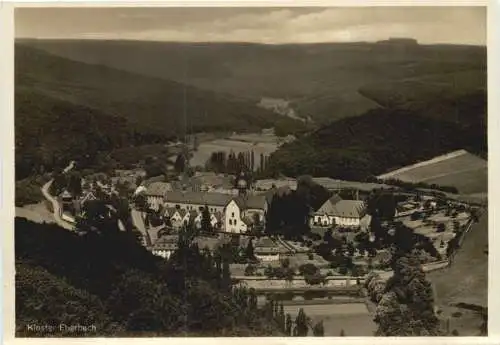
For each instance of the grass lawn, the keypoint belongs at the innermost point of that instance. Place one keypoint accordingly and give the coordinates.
(353, 318)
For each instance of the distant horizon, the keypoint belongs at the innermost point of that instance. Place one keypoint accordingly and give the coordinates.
(454, 25)
(245, 42)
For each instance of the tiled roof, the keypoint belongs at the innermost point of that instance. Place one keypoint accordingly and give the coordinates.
(168, 242)
(328, 206)
(251, 202)
(158, 189)
(199, 198)
(349, 209)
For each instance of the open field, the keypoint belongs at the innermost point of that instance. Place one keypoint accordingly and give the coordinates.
(353, 318)
(466, 172)
(467, 182)
(260, 144)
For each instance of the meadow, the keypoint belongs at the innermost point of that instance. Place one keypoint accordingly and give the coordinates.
(465, 171)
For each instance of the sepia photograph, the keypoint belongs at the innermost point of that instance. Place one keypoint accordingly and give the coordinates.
(251, 171)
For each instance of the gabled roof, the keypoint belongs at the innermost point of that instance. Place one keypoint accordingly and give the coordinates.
(349, 209)
(328, 206)
(169, 211)
(66, 194)
(199, 198)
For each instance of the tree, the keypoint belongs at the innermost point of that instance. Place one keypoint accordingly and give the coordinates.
(301, 323)
(180, 163)
(97, 218)
(282, 318)
(206, 224)
(250, 270)
(140, 202)
(289, 324)
(75, 183)
(342, 333)
(249, 250)
(308, 269)
(406, 307)
(318, 329)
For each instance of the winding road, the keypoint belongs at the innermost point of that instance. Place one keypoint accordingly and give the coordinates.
(55, 204)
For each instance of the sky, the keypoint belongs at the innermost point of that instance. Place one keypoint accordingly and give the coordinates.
(429, 25)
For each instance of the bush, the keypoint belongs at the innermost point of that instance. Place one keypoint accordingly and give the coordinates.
(308, 269)
(315, 279)
(250, 270)
(310, 256)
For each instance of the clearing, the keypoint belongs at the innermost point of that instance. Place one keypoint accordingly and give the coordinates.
(260, 143)
(461, 169)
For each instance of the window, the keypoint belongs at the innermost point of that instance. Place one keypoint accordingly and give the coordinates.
(230, 222)
(232, 214)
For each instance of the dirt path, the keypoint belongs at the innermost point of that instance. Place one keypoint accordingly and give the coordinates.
(55, 204)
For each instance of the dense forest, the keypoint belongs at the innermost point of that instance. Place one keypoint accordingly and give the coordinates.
(149, 104)
(110, 281)
(326, 81)
(384, 139)
(67, 110)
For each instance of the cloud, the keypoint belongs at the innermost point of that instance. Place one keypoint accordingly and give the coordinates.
(262, 25)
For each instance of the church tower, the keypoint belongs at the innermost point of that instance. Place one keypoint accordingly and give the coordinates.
(242, 184)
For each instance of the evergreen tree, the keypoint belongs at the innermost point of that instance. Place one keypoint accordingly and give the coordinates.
(75, 184)
(226, 273)
(252, 160)
(206, 224)
(249, 251)
(253, 299)
(301, 323)
(288, 325)
(180, 163)
(281, 317)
